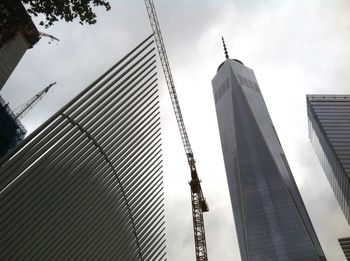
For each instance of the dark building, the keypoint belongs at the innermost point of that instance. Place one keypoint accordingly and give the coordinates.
(11, 129)
(15, 39)
(345, 246)
(88, 183)
(329, 133)
(13, 45)
(270, 217)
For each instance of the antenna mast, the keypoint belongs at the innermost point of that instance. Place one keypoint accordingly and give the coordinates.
(225, 49)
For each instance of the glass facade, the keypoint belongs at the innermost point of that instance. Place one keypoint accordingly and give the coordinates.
(271, 220)
(11, 129)
(88, 183)
(329, 132)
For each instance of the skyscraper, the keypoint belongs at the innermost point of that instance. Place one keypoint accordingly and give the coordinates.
(271, 219)
(329, 133)
(13, 48)
(87, 184)
(11, 129)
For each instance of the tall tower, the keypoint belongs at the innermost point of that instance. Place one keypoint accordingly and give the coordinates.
(11, 129)
(271, 219)
(329, 132)
(13, 48)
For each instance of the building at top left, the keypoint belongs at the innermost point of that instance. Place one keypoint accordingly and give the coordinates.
(13, 47)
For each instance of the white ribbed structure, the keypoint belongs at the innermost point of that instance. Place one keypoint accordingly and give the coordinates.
(87, 185)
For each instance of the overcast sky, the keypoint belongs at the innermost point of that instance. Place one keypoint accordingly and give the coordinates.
(294, 47)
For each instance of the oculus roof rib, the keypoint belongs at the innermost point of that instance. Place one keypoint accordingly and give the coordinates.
(88, 183)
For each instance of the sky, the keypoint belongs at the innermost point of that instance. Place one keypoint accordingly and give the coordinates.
(294, 47)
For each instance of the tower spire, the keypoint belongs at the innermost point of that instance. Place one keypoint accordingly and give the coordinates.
(225, 49)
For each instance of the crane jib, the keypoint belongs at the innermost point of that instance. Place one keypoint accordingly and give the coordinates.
(199, 204)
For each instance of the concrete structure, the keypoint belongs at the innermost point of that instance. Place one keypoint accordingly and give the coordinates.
(11, 129)
(87, 184)
(329, 133)
(271, 219)
(11, 51)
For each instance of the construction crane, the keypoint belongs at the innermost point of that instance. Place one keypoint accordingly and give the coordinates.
(27, 106)
(51, 37)
(199, 204)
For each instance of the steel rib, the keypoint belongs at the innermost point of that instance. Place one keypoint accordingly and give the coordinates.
(82, 142)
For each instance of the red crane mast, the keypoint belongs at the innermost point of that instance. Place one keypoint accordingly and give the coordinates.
(199, 204)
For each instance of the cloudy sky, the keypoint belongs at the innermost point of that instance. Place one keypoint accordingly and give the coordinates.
(294, 47)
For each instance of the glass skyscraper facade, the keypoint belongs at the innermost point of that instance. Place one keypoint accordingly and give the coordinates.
(329, 133)
(88, 183)
(271, 219)
(11, 129)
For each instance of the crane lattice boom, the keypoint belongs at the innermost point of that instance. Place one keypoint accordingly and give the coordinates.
(167, 73)
(199, 204)
(26, 107)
